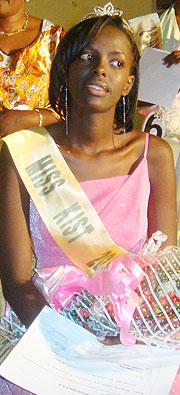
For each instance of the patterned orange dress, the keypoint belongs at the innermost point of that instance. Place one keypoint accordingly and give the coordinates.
(24, 74)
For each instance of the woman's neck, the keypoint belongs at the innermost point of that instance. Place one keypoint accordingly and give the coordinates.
(12, 23)
(91, 131)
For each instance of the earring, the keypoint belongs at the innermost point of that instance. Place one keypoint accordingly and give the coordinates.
(66, 108)
(124, 118)
(123, 128)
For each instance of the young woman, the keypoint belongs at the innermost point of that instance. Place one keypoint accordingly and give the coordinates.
(128, 176)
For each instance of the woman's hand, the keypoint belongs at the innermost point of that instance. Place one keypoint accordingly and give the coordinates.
(172, 58)
(110, 340)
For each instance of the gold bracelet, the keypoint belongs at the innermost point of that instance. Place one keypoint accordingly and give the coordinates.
(40, 117)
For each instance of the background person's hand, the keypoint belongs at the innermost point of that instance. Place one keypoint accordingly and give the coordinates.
(13, 120)
(172, 58)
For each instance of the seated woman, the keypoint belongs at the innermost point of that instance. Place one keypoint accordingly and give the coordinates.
(127, 175)
(27, 48)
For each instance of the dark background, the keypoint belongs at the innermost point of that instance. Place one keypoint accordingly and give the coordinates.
(163, 5)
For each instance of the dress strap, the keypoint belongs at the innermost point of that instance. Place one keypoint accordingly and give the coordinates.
(146, 145)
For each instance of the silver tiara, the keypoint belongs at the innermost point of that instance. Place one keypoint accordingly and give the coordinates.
(109, 10)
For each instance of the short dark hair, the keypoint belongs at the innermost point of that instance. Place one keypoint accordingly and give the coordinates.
(71, 46)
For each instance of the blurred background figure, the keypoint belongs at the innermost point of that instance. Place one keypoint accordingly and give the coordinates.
(27, 47)
(170, 117)
(162, 120)
(170, 27)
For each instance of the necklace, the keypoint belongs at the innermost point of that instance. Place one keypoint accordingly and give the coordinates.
(18, 30)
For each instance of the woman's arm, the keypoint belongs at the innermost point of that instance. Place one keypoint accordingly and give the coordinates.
(162, 212)
(15, 244)
(14, 120)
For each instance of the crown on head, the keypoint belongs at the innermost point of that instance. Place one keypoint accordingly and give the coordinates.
(109, 10)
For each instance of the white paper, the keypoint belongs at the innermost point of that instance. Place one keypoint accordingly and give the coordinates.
(57, 356)
(158, 84)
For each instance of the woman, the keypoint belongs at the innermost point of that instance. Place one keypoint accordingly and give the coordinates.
(94, 81)
(27, 48)
(98, 79)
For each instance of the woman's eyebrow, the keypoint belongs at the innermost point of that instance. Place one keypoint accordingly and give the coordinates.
(118, 52)
(114, 52)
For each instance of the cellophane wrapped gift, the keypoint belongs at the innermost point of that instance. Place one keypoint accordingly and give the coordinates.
(137, 299)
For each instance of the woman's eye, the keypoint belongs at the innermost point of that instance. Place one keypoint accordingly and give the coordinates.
(86, 56)
(118, 63)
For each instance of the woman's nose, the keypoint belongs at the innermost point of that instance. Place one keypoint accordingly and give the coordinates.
(100, 68)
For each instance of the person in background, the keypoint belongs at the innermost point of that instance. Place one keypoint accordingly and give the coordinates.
(27, 48)
(170, 28)
(127, 175)
(170, 117)
(168, 123)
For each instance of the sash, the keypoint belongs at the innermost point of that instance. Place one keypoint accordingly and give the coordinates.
(63, 206)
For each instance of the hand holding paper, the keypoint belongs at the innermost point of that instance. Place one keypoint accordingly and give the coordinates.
(158, 84)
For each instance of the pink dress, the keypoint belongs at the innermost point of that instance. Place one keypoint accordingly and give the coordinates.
(121, 203)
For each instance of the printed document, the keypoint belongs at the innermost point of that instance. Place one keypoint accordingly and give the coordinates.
(57, 356)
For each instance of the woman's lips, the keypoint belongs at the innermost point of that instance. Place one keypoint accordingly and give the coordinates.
(97, 89)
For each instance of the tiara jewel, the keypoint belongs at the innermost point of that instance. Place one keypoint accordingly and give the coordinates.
(109, 10)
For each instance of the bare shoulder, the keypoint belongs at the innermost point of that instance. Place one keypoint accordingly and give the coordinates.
(155, 143)
(160, 159)
(34, 21)
(159, 149)
(56, 131)
(159, 153)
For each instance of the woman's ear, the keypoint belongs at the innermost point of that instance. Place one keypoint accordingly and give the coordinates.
(128, 85)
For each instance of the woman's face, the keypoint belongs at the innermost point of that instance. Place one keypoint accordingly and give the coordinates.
(11, 7)
(102, 73)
